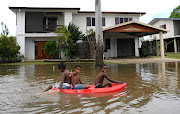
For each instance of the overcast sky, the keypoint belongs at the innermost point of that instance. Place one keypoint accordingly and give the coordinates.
(153, 8)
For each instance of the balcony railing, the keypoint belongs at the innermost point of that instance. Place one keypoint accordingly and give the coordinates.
(50, 28)
(44, 29)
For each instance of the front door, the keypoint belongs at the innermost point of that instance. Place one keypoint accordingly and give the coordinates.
(40, 53)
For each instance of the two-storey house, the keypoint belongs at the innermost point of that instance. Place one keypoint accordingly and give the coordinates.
(172, 38)
(121, 30)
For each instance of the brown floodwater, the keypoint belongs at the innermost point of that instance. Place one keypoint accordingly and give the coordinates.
(151, 88)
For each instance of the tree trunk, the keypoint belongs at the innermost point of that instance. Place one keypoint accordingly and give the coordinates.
(99, 35)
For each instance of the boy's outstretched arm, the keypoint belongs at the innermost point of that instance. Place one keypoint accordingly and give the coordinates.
(114, 81)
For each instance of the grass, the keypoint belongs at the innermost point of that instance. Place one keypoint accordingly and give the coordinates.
(172, 55)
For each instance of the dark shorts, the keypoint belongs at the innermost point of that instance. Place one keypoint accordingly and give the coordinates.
(99, 86)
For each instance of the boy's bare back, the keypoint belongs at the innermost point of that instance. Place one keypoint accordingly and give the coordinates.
(67, 78)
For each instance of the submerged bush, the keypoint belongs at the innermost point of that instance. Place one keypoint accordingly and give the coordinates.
(50, 49)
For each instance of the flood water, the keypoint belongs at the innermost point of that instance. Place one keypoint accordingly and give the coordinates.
(151, 88)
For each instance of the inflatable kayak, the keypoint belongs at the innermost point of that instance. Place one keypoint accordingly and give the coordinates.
(92, 89)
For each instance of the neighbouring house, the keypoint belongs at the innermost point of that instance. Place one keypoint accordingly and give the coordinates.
(122, 31)
(172, 38)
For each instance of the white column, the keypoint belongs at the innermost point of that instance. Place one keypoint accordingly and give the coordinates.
(161, 43)
(175, 46)
(136, 41)
(139, 43)
(112, 47)
(67, 18)
(20, 30)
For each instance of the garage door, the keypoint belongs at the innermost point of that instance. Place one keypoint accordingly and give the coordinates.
(125, 47)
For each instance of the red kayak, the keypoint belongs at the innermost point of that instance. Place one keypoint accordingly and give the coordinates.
(92, 89)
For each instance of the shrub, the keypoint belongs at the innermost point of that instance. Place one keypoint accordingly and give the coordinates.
(50, 48)
(9, 50)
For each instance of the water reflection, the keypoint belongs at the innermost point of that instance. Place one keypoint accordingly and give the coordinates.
(151, 88)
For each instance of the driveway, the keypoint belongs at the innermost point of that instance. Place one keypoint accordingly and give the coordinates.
(141, 60)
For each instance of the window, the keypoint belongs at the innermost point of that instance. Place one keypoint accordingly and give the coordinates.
(91, 21)
(103, 21)
(119, 20)
(88, 20)
(50, 22)
(130, 19)
(163, 26)
(116, 20)
(125, 19)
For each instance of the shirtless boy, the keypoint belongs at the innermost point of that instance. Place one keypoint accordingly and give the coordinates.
(75, 79)
(100, 78)
(65, 80)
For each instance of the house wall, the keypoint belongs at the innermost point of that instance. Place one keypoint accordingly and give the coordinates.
(67, 18)
(30, 46)
(169, 26)
(30, 49)
(80, 20)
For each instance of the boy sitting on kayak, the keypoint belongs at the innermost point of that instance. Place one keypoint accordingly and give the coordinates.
(100, 78)
(75, 79)
(65, 79)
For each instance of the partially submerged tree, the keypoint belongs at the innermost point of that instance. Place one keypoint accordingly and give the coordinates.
(50, 49)
(90, 37)
(175, 13)
(67, 40)
(99, 34)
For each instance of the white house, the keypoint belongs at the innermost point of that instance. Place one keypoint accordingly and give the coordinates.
(172, 38)
(121, 30)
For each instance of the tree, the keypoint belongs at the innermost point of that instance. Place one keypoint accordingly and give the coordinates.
(75, 33)
(90, 37)
(5, 30)
(63, 35)
(175, 13)
(50, 48)
(9, 49)
(67, 40)
(99, 35)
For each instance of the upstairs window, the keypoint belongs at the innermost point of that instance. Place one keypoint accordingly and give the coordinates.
(90, 21)
(163, 26)
(50, 22)
(119, 20)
